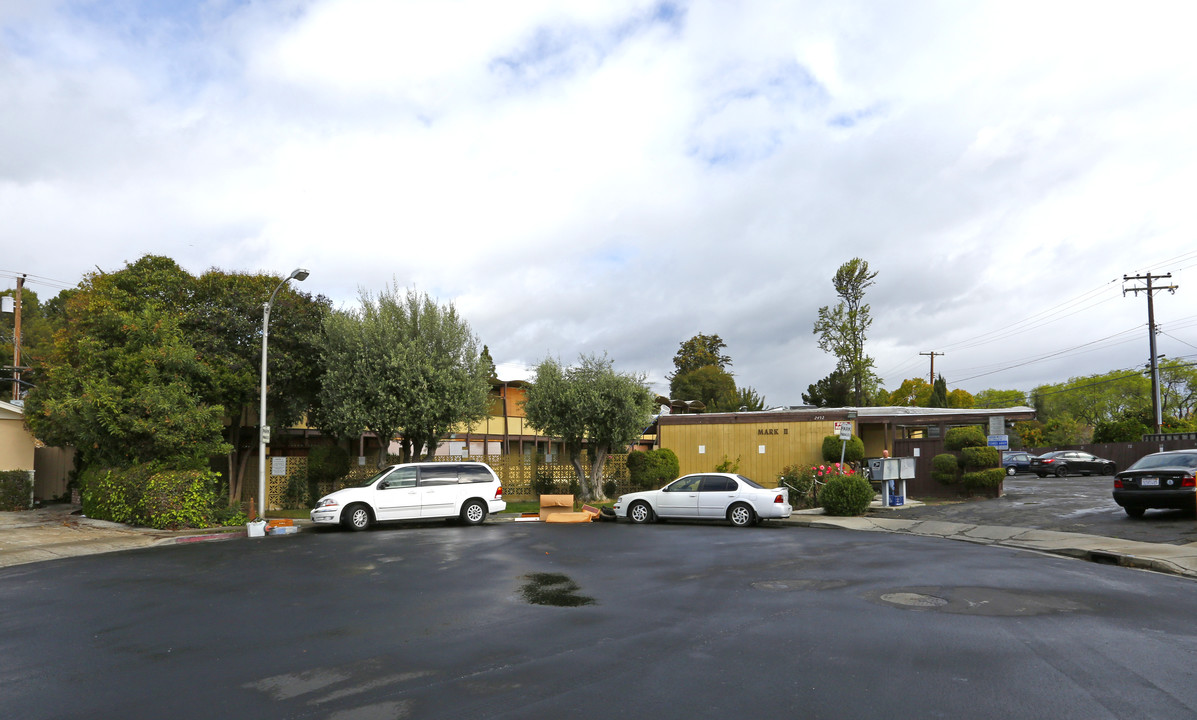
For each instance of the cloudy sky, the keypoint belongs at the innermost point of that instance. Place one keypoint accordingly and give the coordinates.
(616, 176)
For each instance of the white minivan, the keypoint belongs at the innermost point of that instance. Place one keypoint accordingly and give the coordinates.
(414, 491)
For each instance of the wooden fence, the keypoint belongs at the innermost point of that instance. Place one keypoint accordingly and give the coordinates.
(515, 472)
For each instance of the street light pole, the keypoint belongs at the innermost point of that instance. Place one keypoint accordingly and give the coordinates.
(263, 429)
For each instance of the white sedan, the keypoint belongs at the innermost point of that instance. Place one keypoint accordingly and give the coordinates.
(710, 496)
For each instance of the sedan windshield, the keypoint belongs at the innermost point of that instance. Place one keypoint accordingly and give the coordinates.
(1161, 460)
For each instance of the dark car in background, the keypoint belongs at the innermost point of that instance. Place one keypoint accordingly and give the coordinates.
(1166, 480)
(1066, 462)
(1016, 461)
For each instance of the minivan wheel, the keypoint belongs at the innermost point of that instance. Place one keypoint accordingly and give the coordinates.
(357, 517)
(473, 513)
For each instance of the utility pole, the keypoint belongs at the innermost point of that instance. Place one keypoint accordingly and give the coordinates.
(932, 354)
(1155, 366)
(16, 341)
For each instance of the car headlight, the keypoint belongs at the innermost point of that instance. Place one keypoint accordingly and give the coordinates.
(326, 502)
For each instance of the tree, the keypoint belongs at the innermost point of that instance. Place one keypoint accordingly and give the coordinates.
(709, 384)
(401, 361)
(842, 329)
(700, 351)
(960, 399)
(488, 365)
(1094, 398)
(748, 399)
(1130, 427)
(913, 392)
(832, 391)
(939, 393)
(992, 398)
(121, 383)
(589, 405)
(223, 321)
(37, 337)
(1178, 389)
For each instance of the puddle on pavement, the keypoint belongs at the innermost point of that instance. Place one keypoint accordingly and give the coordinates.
(553, 589)
(990, 602)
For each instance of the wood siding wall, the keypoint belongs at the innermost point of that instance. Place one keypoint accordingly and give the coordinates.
(762, 448)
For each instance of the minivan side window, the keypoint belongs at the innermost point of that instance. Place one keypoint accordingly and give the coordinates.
(439, 474)
(474, 474)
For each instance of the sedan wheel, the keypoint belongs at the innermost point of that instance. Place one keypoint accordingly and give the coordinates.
(1010, 470)
(1109, 469)
(358, 517)
(1061, 471)
(740, 515)
(640, 513)
(473, 513)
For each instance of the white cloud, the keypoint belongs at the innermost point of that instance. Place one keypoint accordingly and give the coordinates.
(620, 176)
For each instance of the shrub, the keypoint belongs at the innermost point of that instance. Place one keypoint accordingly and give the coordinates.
(609, 488)
(16, 487)
(846, 495)
(544, 483)
(181, 498)
(728, 466)
(983, 479)
(980, 458)
(653, 468)
(962, 437)
(801, 481)
(115, 494)
(833, 446)
(326, 463)
(945, 469)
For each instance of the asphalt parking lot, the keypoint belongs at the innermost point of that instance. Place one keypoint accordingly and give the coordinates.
(1071, 504)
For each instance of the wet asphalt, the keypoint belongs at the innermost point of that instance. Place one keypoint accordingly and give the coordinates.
(1074, 504)
(676, 620)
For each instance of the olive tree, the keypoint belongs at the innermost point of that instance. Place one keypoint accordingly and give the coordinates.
(589, 405)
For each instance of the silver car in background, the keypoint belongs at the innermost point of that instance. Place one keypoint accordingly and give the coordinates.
(707, 496)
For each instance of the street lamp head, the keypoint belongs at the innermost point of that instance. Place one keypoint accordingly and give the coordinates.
(299, 274)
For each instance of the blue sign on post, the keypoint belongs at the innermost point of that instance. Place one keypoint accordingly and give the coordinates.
(1001, 442)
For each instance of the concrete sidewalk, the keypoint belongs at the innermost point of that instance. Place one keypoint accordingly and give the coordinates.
(54, 532)
(1161, 557)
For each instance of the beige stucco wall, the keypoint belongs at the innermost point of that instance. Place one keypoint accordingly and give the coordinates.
(16, 444)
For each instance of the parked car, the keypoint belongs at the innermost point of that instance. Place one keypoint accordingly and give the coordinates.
(709, 496)
(1016, 461)
(1159, 480)
(1063, 462)
(416, 491)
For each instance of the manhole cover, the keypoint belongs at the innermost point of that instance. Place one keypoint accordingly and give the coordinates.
(910, 599)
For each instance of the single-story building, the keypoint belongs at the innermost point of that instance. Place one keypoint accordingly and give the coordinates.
(765, 442)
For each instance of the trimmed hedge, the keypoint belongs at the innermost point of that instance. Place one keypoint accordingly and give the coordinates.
(944, 469)
(846, 495)
(833, 446)
(652, 469)
(16, 487)
(980, 458)
(983, 479)
(963, 437)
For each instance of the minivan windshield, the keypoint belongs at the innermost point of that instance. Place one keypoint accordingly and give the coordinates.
(372, 480)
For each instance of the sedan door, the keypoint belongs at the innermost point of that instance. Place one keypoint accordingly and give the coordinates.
(715, 495)
(680, 498)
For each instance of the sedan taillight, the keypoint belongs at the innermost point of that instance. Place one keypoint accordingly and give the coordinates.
(778, 499)
(1117, 484)
(1048, 461)
(1188, 481)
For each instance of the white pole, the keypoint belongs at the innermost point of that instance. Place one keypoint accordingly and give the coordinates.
(264, 429)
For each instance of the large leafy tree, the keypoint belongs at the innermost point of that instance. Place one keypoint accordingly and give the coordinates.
(1093, 399)
(589, 405)
(843, 329)
(122, 384)
(993, 398)
(223, 320)
(711, 385)
(831, 391)
(401, 361)
(700, 351)
(913, 392)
